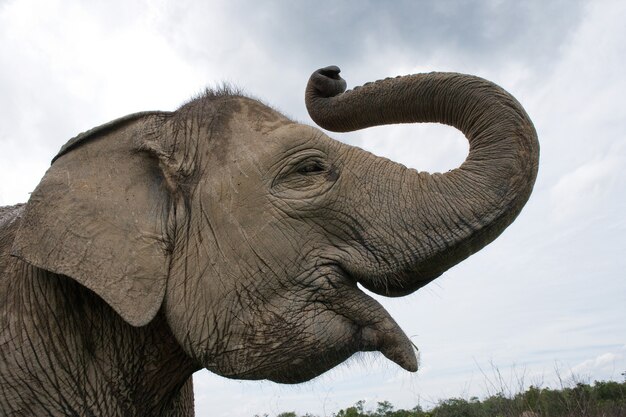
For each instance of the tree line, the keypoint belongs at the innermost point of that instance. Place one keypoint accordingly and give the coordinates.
(600, 399)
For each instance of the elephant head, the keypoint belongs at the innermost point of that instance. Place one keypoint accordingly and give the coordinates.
(249, 232)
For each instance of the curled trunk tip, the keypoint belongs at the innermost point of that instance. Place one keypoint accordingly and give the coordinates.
(326, 82)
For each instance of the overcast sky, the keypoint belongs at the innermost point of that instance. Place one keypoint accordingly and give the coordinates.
(548, 297)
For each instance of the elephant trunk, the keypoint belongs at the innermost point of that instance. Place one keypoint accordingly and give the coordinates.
(444, 218)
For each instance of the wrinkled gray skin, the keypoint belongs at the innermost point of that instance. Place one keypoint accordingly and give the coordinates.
(226, 236)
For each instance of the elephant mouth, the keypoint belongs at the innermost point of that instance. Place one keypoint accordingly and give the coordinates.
(333, 320)
(359, 324)
(394, 345)
(377, 330)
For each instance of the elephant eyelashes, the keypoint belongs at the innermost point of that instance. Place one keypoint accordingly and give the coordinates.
(311, 167)
(306, 174)
(305, 163)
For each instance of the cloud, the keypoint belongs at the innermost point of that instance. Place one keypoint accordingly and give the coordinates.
(70, 67)
(587, 189)
(358, 30)
(607, 365)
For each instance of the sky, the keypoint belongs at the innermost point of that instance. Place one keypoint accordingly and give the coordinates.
(544, 304)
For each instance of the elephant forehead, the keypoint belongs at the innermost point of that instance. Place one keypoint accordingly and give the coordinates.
(259, 117)
(264, 142)
(247, 122)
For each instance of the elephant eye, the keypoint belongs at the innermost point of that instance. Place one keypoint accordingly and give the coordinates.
(308, 172)
(310, 167)
(305, 175)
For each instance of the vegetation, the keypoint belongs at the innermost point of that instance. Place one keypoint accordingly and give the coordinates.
(600, 399)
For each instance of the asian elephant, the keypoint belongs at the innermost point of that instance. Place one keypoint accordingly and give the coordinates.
(225, 236)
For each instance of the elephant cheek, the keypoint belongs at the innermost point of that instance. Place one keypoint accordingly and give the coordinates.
(192, 321)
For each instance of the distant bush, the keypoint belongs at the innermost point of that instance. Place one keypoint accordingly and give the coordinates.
(601, 399)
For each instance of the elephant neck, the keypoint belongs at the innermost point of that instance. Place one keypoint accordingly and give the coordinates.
(66, 352)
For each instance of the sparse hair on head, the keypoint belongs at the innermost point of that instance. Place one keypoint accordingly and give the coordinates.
(212, 94)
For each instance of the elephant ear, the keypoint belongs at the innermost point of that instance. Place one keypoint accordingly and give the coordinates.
(99, 215)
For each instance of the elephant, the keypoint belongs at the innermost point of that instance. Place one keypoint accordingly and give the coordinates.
(225, 236)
